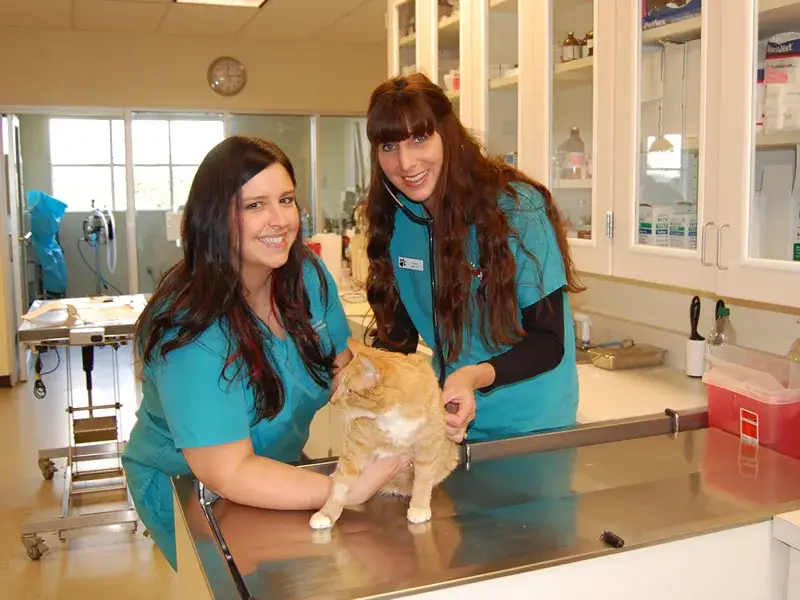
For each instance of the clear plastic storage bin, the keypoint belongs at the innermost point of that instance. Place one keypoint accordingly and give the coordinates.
(755, 396)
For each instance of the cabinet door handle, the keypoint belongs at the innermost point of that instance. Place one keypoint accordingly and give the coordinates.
(703, 245)
(719, 247)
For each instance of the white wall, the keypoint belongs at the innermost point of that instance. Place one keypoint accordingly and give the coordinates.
(657, 315)
(83, 68)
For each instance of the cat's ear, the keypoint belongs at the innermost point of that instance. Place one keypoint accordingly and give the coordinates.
(369, 371)
(354, 345)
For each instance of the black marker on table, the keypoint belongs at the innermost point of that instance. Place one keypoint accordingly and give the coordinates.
(612, 539)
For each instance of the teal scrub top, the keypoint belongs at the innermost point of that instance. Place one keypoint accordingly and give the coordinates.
(547, 401)
(186, 404)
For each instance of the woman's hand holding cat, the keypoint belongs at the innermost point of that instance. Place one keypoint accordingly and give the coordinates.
(377, 473)
(459, 388)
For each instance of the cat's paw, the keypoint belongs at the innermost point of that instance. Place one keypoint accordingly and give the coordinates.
(320, 521)
(419, 515)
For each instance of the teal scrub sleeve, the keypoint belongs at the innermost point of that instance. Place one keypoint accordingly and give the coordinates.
(201, 408)
(542, 273)
(335, 319)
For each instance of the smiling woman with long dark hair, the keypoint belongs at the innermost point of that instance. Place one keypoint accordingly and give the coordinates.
(238, 348)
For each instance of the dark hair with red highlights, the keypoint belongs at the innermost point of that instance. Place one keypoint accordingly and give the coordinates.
(466, 194)
(206, 287)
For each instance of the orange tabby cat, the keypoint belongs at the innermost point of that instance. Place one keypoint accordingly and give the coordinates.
(392, 405)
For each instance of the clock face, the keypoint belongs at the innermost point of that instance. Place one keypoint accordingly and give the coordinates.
(227, 76)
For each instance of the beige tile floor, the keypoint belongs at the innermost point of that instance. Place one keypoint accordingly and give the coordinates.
(100, 564)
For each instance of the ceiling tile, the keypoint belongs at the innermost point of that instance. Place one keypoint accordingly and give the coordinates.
(198, 19)
(118, 15)
(298, 20)
(42, 14)
(367, 25)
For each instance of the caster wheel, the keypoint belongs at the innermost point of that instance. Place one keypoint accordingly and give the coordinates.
(34, 546)
(48, 468)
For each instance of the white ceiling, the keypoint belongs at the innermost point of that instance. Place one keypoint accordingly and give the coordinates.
(354, 21)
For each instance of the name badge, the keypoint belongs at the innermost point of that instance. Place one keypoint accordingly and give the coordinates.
(413, 264)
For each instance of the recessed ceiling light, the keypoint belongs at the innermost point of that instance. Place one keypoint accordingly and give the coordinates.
(242, 3)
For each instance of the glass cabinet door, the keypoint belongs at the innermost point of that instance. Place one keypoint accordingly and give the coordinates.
(667, 98)
(572, 135)
(448, 33)
(758, 245)
(669, 126)
(503, 64)
(403, 37)
(774, 212)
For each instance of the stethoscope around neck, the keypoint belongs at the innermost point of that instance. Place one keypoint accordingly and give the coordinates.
(428, 222)
(415, 218)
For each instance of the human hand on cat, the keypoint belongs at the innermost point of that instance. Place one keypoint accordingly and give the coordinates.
(376, 474)
(459, 389)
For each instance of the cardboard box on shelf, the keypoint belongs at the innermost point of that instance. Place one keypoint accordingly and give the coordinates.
(654, 225)
(683, 231)
(669, 225)
(657, 13)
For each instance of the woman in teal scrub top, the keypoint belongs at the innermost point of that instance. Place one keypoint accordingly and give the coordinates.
(470, 254)
(238, 349)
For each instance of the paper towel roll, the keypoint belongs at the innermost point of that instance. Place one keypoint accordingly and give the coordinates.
(358, 256)
(331, 253)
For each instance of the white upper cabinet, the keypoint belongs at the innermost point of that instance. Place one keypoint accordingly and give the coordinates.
(669, 139)
(759, 212)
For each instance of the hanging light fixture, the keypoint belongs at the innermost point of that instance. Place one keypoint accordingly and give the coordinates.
(662, 144)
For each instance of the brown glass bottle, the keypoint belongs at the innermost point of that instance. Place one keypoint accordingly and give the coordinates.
(588, 44)
(570, 48)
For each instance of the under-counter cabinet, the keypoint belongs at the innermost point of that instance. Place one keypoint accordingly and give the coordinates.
(653, 139)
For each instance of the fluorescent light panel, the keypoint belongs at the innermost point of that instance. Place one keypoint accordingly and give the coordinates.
(242, 3)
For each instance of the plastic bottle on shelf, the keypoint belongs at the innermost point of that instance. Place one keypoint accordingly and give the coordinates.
(570, 48)
(572, 156)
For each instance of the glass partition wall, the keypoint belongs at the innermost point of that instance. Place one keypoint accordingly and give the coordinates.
(87, 158)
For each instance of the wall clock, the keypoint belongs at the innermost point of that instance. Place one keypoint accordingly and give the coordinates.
(227, 76)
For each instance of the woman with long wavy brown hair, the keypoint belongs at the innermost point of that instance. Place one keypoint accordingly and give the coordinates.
(470, 254)
(238, 349)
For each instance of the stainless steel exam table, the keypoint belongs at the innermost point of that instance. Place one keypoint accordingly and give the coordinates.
(513, 508)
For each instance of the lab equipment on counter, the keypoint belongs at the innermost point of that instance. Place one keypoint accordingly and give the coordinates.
(696, 344)
(523, 514)
(94, 430)
(330, 245)
(626, 354)
(584, 336)
(750, 395)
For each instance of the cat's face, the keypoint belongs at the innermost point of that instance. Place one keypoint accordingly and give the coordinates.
(359, 381)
